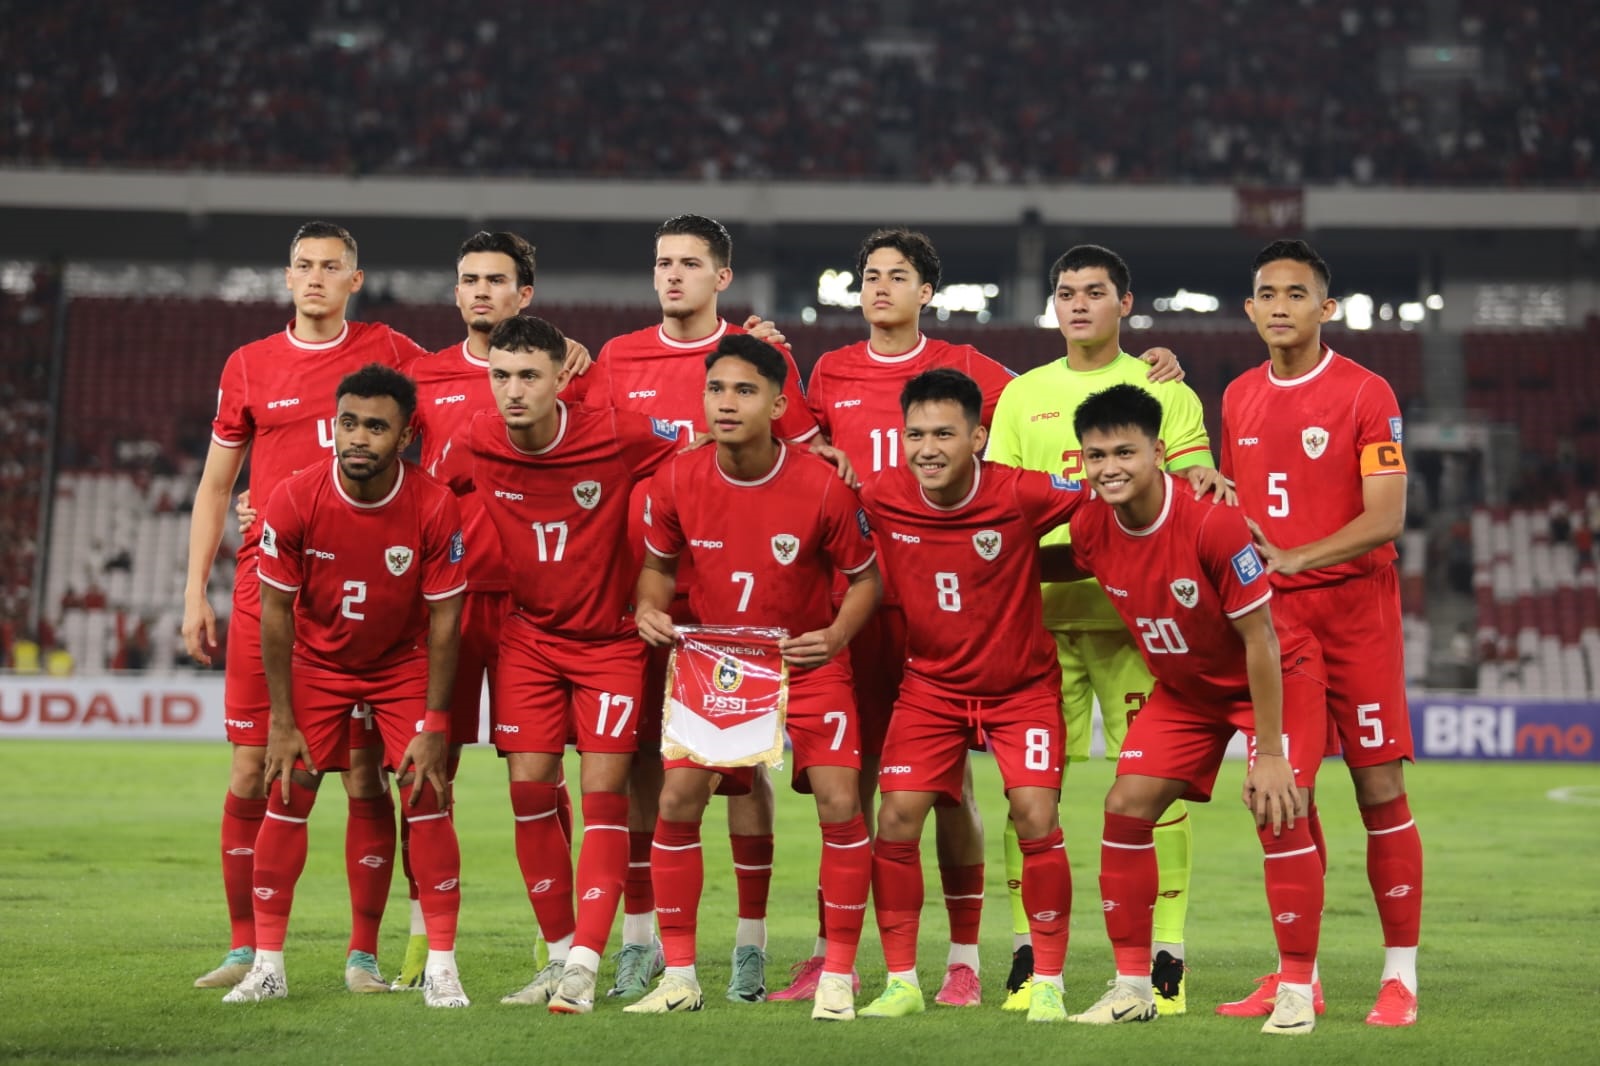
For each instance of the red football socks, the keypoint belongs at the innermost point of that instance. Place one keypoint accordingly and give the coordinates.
(846, 877)
(280, 858)
(545, 857)
(1047, 897)
(677, 870)
(369, 840)
(602, 867)
(897, 894)
(963, 901)
(1294, 896)
(1394, 869)
(752, 871)
(436, 859)
(241, 823)
(1129, 881)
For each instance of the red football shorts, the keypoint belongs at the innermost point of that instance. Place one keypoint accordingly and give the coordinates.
(926, 747)
(483, 616)
(397, 695)
(549, 689)
(877, 664)
(1176, 738)
(822, 728)
(246, 706)
(1358, 625)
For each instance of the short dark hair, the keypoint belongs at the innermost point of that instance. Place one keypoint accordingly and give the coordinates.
(1088, 256)
(374, 380)
(1300, 252)
(1116, 407)
(934, 386)
(528, 333)
(506, 243)
(767, 360)
(320, 230)
(916, 247)
(714, 233)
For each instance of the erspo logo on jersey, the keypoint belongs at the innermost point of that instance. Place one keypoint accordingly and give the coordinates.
(1247, 564)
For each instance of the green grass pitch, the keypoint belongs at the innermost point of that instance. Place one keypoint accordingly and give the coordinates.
(110, 905)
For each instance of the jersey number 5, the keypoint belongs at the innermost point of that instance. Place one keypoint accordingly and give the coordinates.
(1278, 495)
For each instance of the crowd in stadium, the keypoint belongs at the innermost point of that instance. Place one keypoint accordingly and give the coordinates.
(1221, 90)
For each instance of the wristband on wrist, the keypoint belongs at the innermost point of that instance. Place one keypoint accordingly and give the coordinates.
(436, 722)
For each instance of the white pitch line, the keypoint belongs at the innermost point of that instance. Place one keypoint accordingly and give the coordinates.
(1582, 795)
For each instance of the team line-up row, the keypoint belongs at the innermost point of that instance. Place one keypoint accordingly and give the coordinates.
(904, 570)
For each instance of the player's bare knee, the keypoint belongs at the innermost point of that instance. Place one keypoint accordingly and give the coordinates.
(899, 819)
(247, 778)
(1378, 784)
(1034, 820)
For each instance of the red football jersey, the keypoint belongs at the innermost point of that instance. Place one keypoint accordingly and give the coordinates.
(1297, 451)
(452, 386)
(765, 552)
(855, 394)
(277, 398)
(649, 372)
(968, 576)
(362, 570)
(1178, 584)
(562, 512)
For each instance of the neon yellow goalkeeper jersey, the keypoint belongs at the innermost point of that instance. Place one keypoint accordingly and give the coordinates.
(1032, 428)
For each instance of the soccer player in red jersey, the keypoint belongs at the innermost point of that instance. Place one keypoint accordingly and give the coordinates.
(1185, 578)
(361, 583)
(1312, 442)
(494, 281)
(854, 396)
(555, 480)
(960, 541)
(728, 509)
(275, 402)
(660, 371)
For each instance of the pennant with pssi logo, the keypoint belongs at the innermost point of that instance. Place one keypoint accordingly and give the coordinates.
(727, 695)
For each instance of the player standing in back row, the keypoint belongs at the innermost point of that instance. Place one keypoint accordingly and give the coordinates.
(1312, 443)
(660, 371)
(275, 402)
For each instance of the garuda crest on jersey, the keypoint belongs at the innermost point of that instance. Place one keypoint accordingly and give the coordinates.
(587, 493)
(398, 559)
(1314, 439)
(1186, 591)
(785, 547)
(987, 541)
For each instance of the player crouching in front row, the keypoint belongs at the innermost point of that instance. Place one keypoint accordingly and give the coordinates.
(960, 540)
(361, 588)
(1186, 578)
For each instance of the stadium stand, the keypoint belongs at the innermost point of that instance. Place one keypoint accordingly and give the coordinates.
(26, 324)
(1224, 90)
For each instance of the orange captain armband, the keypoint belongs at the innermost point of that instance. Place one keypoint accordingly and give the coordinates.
(1382, 457)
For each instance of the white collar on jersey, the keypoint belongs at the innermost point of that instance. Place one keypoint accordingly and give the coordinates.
(322, 346)
(398, 481)
(783, 452)
(716, 335)
(561, 433)
(972, 494)
(1161, 519)
(878, 357)
(1289, 383)
(466, 353)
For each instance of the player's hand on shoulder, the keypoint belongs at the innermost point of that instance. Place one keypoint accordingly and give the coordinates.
(1206, 479)
(655, 627)
(700, 440)
(244, 512)
(1277, 560)
(829, 454)
(763, 329)
(811, 649)
(1164, 365)
(578, 358)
